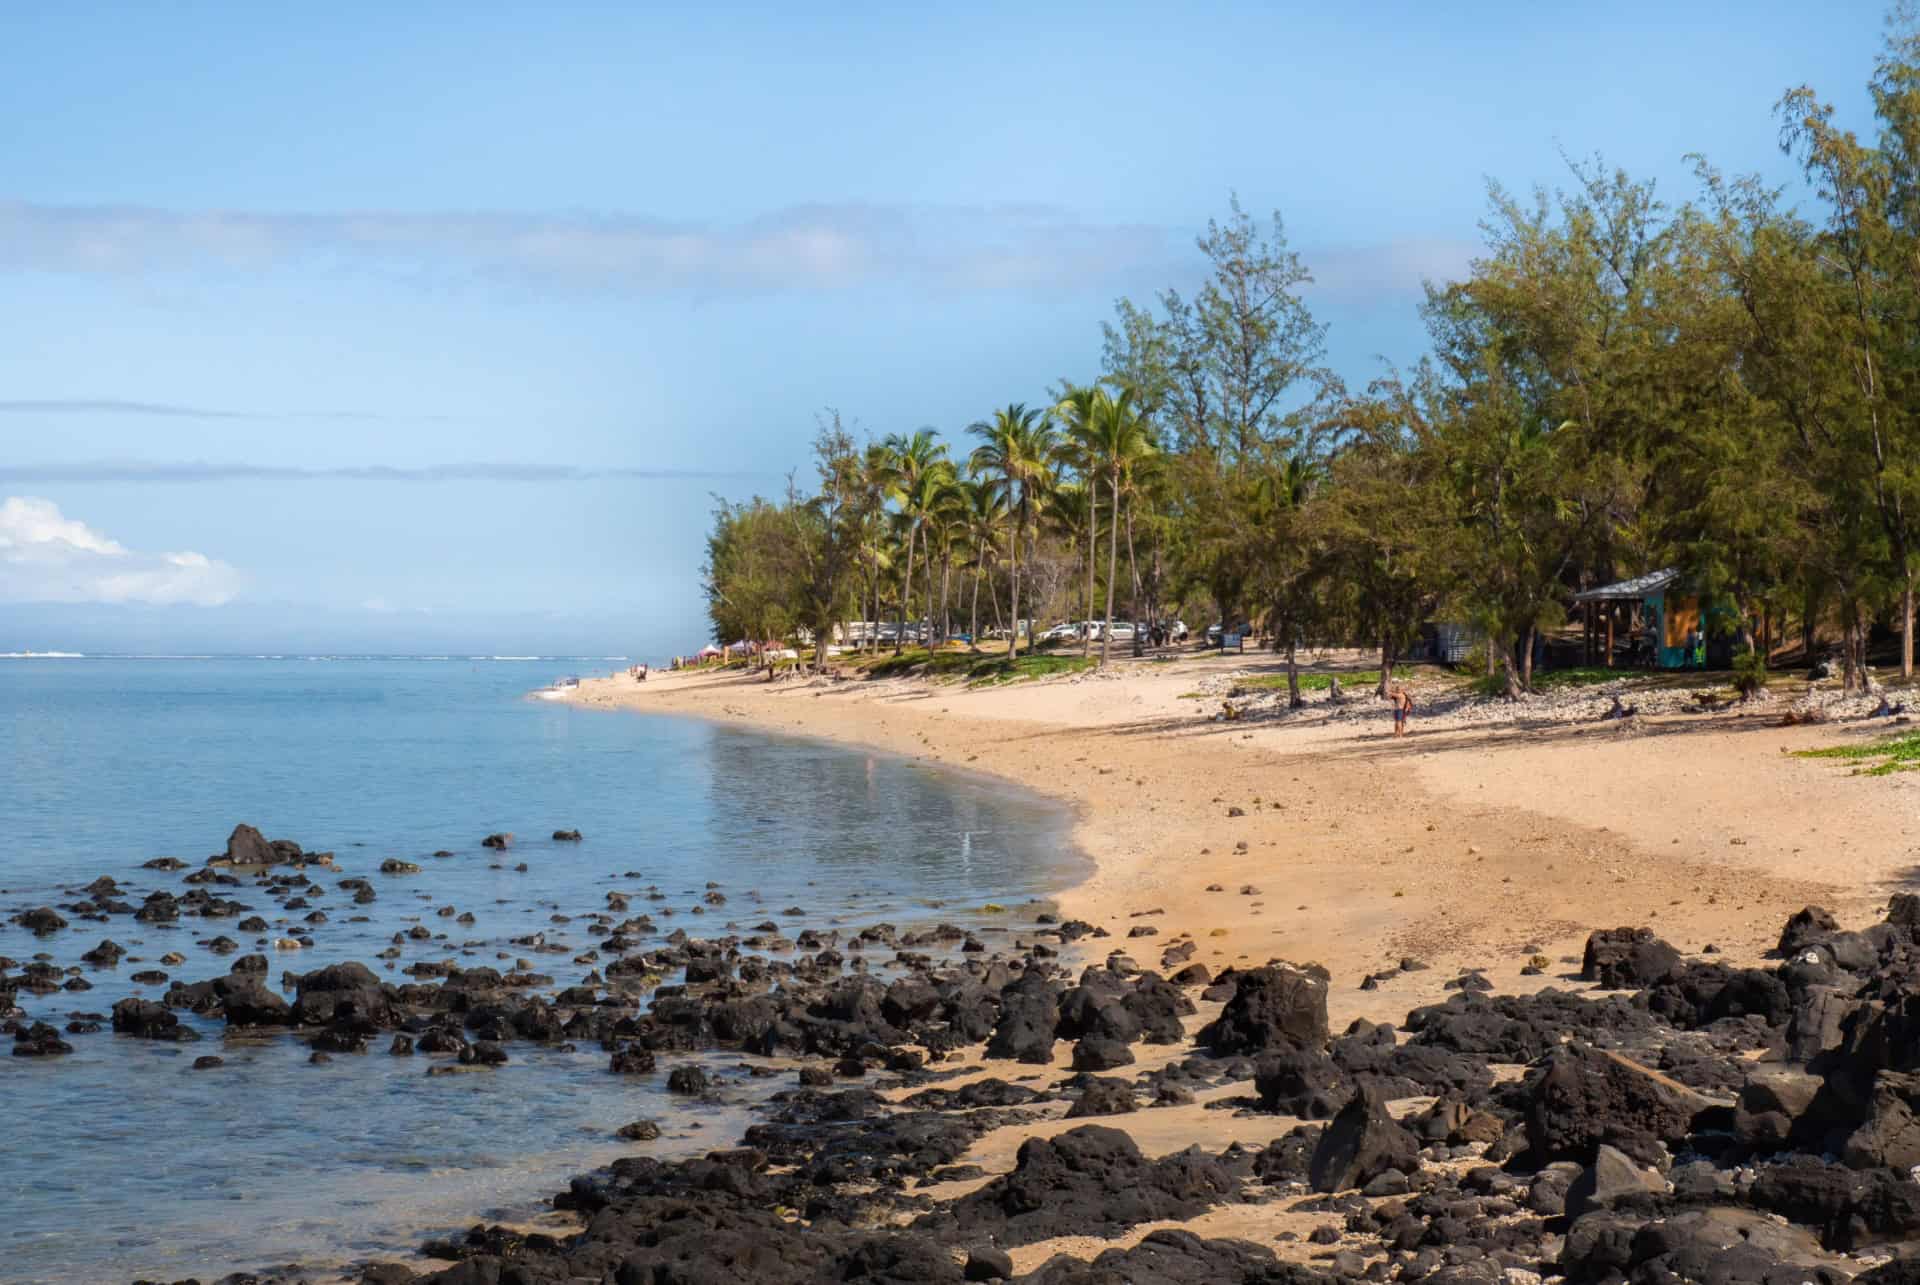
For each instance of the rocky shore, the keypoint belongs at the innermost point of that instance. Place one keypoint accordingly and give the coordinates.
(1655, 1117)
(1699, 1123)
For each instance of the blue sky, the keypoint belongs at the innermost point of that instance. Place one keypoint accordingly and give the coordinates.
(564, 271)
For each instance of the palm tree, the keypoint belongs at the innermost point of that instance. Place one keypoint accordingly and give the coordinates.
(1071, 510)
(1077, 411)
(876, 556)
(918, 461)
(1018, 450)
(1112, 440)
(980, 518)
(945, 519)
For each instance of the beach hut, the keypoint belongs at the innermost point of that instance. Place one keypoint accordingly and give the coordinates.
(1661, 613)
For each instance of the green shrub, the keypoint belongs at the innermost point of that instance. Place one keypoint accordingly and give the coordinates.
(1749, 672)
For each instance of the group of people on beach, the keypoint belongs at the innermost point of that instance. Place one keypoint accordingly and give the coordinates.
(638, 673)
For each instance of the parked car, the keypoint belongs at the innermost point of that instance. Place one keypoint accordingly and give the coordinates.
(1061, 631)
(1123, 631)
(1177, 631)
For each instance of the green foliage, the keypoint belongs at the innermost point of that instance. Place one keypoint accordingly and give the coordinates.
(1749, 672)
(1728, 386)
(1880, 758)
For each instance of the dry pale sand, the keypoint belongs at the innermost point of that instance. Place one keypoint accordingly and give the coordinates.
(1464, 847)
(1467, 847)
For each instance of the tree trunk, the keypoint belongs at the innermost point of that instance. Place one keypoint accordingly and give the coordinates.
(906, 592)
(1847, 661)
(973, 615)
(1294, 699)
(1526, 677)
(1133, 604)
(1113, 568)
(1514, 690)
(1808, 636)
(1906, 629)
(1386, 666)
(1093, 538)
(1013, 581)
(946, 586)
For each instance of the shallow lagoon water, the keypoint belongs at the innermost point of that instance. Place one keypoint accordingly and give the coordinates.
(123, 1161)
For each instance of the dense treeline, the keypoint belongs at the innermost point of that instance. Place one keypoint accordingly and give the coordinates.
(1730, 386)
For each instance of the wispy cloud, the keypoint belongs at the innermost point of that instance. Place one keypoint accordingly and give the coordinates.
(112, 406)
(815, 247)
(802, 247)
(46, 556)
(199, 471)
(162, 410)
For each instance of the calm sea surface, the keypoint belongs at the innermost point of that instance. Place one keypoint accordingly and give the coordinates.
(121, 1161)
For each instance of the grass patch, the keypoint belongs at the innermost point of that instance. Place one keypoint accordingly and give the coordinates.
(1879, 758)
(972, 667)
(1002, 670)
(1315, 682)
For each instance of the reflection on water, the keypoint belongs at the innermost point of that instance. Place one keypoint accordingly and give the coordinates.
(123, 1160)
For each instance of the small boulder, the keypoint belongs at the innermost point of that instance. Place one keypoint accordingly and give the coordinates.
(1627, 959)
(1360, 1144)
(1612, 1180)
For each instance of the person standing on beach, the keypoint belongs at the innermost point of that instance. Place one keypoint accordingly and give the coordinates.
(1402, 707)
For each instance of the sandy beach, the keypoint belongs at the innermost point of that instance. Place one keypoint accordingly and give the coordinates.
(1488, 837)
(1469, 846)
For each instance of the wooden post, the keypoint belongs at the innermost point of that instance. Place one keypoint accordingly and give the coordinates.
(1611, 613)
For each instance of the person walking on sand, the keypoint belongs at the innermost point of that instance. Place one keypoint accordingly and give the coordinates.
(1402, 707)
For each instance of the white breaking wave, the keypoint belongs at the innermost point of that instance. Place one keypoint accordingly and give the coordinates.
(43, 655)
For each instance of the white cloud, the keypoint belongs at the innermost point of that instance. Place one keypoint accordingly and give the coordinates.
(46, 556)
